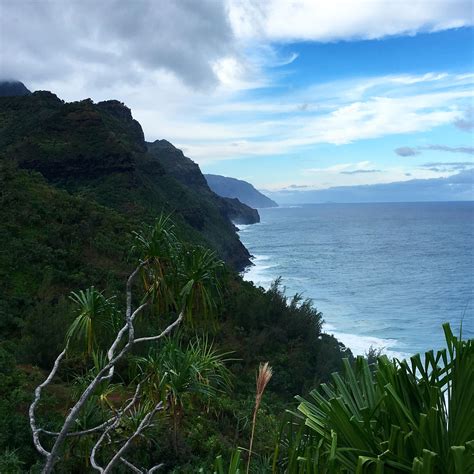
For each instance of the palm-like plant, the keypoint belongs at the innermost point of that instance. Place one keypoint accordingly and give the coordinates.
(176, 373)
(201, 289)
(95, 313)
(406, 416)
(160, 248)
(177, 276)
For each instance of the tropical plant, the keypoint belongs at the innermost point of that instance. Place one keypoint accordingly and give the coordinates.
(176, 373)
(95, 314)
(174, 282)
(176, 275)
(234, 466)
(412, 415)
(160, 248)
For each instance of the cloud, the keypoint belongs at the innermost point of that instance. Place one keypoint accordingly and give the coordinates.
(410, 151)
(112, 41)
(322, 20)
(466, 123)
(458, 187)
(338, 112)
(298, 186)
(361, 171)
(406, 151)
(189, 70)
(460, 149)
(441, 167)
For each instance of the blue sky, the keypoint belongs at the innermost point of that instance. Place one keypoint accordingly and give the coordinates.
(293, 96)
(434, 68)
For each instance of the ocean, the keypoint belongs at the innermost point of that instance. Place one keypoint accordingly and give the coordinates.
(385, 275)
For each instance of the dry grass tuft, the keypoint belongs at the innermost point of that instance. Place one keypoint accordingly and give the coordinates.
(264, 375)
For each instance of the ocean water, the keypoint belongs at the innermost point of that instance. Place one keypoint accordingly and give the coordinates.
(385, 275)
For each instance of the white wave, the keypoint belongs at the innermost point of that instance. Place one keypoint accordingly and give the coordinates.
(260, 275)
(242, 227)
(360, 345)
(258, 272)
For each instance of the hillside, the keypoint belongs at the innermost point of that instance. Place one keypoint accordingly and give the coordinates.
(76, 180)
(13, 88)
(186, 172)
(238, 189)
(98, 151)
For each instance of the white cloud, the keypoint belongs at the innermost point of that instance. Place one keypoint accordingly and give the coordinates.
(336, 113)
(331, 20)
(355, 174)
(113, 41)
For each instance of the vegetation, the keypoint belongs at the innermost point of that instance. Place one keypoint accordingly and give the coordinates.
(163, 373)
(200, 368)
(402, 416)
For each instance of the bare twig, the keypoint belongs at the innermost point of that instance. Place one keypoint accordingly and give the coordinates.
(165, 332)
(131, 466)
(142, 426)
(116, 422)
(79, 433)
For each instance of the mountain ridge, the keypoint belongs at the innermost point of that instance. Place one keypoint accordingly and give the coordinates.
(13, 89)
(239, 189)
(98, 150)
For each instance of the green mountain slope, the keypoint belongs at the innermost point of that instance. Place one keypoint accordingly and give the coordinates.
(75, 181)
(98, 151)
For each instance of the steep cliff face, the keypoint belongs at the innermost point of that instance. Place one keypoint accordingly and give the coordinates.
(98, 151)
(238, 189)
(184, 170)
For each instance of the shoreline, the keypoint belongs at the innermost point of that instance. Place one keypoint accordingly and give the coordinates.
(358, 344)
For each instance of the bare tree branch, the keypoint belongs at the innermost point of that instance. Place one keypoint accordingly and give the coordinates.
(36, 400)
(131, 466)
(105, 373)
(116, 422)
(80, 433)
(142, 426)
(124, 341)
(165, 332)
(155, 468)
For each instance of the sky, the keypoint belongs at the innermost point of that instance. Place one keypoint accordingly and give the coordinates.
(295, 96)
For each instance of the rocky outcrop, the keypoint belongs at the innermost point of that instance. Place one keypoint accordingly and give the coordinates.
(239, 213)
(182, 168)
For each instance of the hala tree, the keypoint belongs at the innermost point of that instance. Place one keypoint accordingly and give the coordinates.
(413, 415)
(177, 282)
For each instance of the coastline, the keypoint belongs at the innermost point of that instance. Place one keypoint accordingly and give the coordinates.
(359, 344)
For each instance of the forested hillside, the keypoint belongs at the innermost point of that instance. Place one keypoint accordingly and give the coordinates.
(78, 183)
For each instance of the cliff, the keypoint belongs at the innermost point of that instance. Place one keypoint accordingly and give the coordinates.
(238, 189)
(188, 173)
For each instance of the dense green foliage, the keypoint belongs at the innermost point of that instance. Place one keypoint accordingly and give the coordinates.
(98, 151)
(413, 415)
(81, 195)
(56, 242)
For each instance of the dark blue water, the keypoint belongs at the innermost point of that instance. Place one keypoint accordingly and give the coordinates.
(386, 275)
